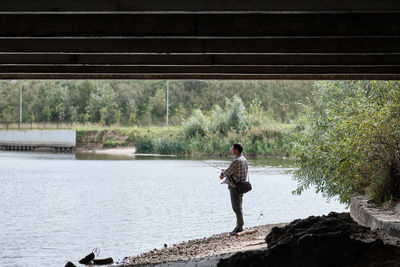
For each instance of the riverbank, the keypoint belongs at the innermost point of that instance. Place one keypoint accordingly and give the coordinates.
(120, 151)
(332, 240)
(205, 251)
(275, 140)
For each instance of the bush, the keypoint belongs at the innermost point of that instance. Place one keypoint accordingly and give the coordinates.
(197, 124)
(257, 116)
(171, 146)
(100, 136)
(145, 145)
(80, 134)
(218, 120)
(111, 143)
(236, 114)
(350, 144)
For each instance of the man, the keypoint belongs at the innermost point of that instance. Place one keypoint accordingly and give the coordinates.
(236, 172)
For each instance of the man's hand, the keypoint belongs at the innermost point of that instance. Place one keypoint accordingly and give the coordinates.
(222, 175)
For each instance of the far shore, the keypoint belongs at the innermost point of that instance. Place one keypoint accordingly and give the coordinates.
(120, 151)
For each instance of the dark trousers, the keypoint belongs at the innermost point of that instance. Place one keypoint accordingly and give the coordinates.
(236, 200)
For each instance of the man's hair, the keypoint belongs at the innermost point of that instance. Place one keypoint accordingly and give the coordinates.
(238, 146)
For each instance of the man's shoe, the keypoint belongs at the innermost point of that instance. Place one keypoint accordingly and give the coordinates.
(233, 232)
(236, 230)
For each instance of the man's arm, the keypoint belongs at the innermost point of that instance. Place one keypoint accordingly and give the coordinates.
(231, 169)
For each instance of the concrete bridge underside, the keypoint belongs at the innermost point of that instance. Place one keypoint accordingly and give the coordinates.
(199, 39)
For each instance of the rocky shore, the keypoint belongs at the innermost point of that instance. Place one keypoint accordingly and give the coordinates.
(332, 240)
(202, 252)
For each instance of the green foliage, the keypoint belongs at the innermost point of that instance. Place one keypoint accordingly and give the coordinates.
(257, 115)
(350, 143)
(170, 146)
(197, 124)
(236, 114)
(255, 129)
(143, 102)
(218, 120)
(110, 143)
(102, 107)
(100, 135)
(145, 145)
(79, 134)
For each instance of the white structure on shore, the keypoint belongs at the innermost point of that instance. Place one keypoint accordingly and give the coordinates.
(55, 140)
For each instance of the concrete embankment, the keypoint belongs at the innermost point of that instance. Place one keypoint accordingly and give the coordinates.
(28, 140)
(383, 218)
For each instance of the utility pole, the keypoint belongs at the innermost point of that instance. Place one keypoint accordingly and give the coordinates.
(167, 101)
(20, 105)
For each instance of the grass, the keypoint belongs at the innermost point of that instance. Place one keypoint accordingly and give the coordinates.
(273, 140)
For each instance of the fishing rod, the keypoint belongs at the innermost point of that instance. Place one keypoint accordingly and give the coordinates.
(210, 165)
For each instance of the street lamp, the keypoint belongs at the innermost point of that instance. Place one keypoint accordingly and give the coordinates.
(167, 101)
(20, 105)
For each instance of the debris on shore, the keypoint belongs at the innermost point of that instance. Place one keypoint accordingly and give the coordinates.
(333, 240)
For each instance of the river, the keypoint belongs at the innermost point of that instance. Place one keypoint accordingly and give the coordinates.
(58, 207)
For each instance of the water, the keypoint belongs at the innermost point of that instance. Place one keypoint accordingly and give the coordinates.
(58, 207)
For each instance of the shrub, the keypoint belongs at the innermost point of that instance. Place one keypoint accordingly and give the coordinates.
(111, 143)
(218, 120)
(236, 114)
(197, 124)
(350, 144)
(145, 145)
(100, 136)
(171, 146)
(257, 116)
(80, 134)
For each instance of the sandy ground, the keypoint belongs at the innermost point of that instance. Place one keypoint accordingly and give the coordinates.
(121, 151)
(202, 252)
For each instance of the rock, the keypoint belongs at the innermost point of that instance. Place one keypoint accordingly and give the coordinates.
(333, 240)
(70, 264)
(103, 261)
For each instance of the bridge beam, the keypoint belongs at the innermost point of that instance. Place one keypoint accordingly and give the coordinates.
(191, 39)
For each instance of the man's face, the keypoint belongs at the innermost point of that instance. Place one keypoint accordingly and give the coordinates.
(235, 152)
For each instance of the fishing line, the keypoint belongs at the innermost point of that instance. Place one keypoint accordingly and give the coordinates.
(209, 164)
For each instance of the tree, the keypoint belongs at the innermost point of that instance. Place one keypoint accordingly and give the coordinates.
(236, 113)
(350, 144)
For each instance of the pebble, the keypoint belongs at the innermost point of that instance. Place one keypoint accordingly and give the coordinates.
(197, 248)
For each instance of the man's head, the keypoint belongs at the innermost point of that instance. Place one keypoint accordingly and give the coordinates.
(237, 149)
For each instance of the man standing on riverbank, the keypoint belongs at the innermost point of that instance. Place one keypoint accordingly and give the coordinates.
(236, 172)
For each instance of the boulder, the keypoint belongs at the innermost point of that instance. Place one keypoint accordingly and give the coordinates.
(332, 240)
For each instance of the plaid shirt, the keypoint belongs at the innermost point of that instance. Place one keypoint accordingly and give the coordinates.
(237, 171)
